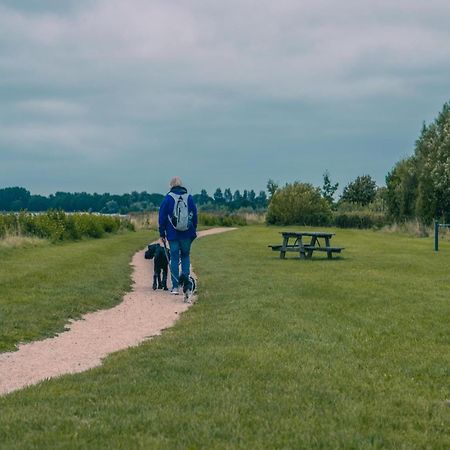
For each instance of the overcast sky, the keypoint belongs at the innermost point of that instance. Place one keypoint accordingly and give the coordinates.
(119, 95)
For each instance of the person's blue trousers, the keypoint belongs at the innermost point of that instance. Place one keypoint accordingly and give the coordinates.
(179, 250)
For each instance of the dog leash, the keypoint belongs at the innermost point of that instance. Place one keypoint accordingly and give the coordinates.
(168, 261)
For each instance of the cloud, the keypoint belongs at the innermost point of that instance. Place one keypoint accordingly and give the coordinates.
(148, 77)
(50, 107)
(302, 49)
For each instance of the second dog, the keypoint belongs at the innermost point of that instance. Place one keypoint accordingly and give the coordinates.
(156, 252)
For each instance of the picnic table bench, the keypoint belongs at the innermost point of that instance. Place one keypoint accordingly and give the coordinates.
(306, 250)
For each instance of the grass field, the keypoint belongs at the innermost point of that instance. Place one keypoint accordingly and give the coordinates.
(43, 285)
(348, 353)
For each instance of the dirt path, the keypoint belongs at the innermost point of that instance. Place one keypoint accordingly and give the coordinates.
(143, 313)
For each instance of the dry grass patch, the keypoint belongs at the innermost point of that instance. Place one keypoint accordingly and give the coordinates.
(21, 241)
(415, 228)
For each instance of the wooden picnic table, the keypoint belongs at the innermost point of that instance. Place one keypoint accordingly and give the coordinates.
(306, 250)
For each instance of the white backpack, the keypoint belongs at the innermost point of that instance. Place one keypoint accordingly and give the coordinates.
(181, 218)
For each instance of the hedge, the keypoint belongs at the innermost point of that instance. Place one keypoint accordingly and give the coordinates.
(57, 226)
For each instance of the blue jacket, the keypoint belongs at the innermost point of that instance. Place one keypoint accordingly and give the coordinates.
(166, 229)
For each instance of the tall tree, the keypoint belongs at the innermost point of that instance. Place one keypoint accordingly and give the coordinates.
(401, 189)
(328, 189)
(420, 185)
(227, 195)
(433, 166)
(237, 197)
(272, 187)
(261, 200)
(14, 198)
(361, 191)
(218, 196)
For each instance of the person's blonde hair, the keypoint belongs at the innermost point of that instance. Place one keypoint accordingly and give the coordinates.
(175, 181)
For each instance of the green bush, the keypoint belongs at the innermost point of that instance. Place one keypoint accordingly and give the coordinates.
(298, 204)
(221, 220)
(359, 219)
(57, 226)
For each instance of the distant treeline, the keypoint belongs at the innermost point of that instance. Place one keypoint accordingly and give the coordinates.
(19, 199)
(417, 189)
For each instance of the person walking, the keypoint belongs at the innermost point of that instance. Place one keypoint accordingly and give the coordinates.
(178, 225)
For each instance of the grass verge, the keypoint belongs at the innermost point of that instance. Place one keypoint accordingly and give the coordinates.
(348, 353)
(43, 286)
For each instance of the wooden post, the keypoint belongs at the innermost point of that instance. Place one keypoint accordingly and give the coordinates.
(436, 236)
(301, 248)
(314, 239)
(327, 243)
(283, 248)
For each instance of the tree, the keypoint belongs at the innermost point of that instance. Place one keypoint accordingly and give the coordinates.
(237, 197)
(401, 189)
(328, 189)
(14, 198)
(218, 196)
(227, 195)
(419, 186)
(271, 187)
(261, 200)
(203, 198)
(433, 168)
(38, 203)
(299, 204)
(111, 207)
(361, 191)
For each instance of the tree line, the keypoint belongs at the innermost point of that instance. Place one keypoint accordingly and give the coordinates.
(231, 201)
(19, 198)
(418, 187)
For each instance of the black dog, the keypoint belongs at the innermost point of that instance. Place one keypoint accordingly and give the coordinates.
(161, 264)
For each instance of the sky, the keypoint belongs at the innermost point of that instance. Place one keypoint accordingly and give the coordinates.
(121, 95)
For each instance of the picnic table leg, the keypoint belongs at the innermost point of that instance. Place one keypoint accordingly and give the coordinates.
(283, 247)
(329, 252)
(301, 248)
(312, 244)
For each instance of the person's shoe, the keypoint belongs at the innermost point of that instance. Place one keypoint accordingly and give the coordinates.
(175, 291)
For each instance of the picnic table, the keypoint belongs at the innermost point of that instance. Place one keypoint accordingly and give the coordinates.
(306, 250)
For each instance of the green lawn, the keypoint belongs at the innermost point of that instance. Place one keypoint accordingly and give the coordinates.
(42, 287)
(348, 353)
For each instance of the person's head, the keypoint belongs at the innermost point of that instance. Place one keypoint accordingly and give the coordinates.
(175, 181)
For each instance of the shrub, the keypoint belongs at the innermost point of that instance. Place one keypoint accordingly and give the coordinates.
(58, 226)
(359, 219)
(221, 220)
(298, 204)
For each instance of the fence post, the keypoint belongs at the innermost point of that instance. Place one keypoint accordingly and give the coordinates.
(436, 236)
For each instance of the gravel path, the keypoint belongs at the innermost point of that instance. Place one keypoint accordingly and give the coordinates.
(143, 313)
